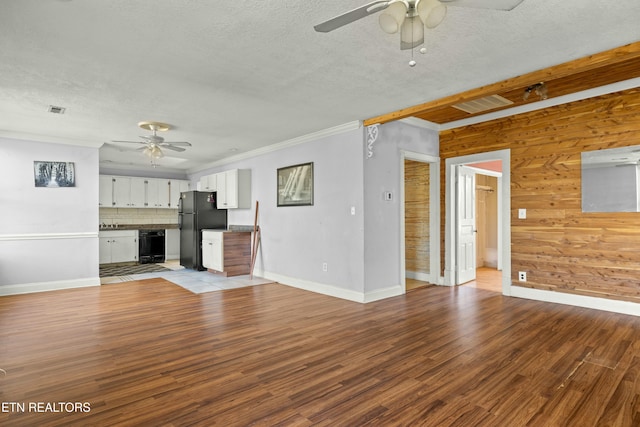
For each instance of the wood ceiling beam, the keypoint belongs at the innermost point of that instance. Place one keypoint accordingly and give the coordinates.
(587, 63)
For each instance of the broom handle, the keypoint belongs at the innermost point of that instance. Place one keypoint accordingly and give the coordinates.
(254, 245)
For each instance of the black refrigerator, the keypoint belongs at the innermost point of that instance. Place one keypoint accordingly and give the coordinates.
(197, 211)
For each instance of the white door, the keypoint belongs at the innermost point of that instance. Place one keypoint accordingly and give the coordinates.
(104, 248)
(151, 199)
(163, 193)
(105, 191)
(465, 225)
(137, 192)
(231, 188)
(121, 192)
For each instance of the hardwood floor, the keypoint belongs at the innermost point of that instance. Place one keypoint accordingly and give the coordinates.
(488, 279)
(151, 353)
(413, 284)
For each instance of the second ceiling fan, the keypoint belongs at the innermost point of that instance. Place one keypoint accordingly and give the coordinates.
(153, 144)
(409, 17)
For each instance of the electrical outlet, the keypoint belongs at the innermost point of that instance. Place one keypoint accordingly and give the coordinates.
(522, 276)
(325, 266)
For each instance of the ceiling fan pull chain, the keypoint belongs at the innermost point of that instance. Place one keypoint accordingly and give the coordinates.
(412, 62)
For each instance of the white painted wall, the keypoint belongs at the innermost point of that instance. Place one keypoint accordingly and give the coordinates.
(297, 240)
(382, 173)
(48, 236)
(363, 250)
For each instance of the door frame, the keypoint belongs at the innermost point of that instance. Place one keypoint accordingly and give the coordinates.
(434, 216)
(504, 206)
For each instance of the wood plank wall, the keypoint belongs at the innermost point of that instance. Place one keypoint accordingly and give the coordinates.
(561, 248)
(416, 205)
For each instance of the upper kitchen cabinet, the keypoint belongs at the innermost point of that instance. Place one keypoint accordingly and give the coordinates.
(157, 193)
(234, 189)
(136, 192)
(209, 183)
(105, 191)
(177, 186)
(128, 192)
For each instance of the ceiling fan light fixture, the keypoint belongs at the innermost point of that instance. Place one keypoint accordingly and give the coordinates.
(412, 33)
(431, 12)
(153, 151)
(393, 16)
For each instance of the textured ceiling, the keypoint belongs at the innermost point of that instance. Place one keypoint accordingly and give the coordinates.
(234, 76)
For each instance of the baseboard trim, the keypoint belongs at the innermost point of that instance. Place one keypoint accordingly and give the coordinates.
(392, 291)
(28, 288)
(331, 290)
(416, 275)
(615, 306)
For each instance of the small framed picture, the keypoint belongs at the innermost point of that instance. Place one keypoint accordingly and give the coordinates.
(54, 174)
(295, 185)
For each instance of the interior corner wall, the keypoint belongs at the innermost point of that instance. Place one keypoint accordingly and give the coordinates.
(297, 240)
(382, 174)
(48, 236)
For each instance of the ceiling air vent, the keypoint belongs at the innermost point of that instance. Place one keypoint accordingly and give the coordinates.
(56, 110)
(483, 104)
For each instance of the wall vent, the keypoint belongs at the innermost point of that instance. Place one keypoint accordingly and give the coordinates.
(56, 110)
(483, 104)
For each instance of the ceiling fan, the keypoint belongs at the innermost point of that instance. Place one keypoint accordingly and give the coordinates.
(153, 144)
(409, 17)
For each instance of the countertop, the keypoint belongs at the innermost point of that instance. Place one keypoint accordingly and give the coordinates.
(233, 229)
(140, 227)
(230, 228)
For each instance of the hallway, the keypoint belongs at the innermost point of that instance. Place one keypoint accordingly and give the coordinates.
(487, 278)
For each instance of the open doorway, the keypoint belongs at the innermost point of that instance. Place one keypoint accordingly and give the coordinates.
(488, 177)
(462, 256)
(420, 221)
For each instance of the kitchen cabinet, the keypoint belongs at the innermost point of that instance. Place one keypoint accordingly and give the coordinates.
(212, 250)
(234, 189)
(172, 243)
(138, 192)
(128, 192)
(209, 183)
(177, 186)
(105, 191)
(118, 246)
(226, 252)
(157, 193)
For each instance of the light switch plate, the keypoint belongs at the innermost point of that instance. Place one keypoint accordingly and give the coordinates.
(522, 214)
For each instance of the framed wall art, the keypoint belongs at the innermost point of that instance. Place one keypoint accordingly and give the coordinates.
(54, 174)
(295, 185)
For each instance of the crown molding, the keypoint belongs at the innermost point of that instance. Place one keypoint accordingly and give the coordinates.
(346, 127)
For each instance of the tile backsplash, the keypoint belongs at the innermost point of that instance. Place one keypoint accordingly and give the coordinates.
(122, 216)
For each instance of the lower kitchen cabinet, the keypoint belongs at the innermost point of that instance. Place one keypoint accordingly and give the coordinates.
(226, 252)
(118, 246)
(172, 243)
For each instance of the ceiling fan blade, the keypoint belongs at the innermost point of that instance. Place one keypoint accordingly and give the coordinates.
(118, 147)
(171, 147)
(152, 138)
(484, 4)
(351, 16)
(131, 142)
(181, 143)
